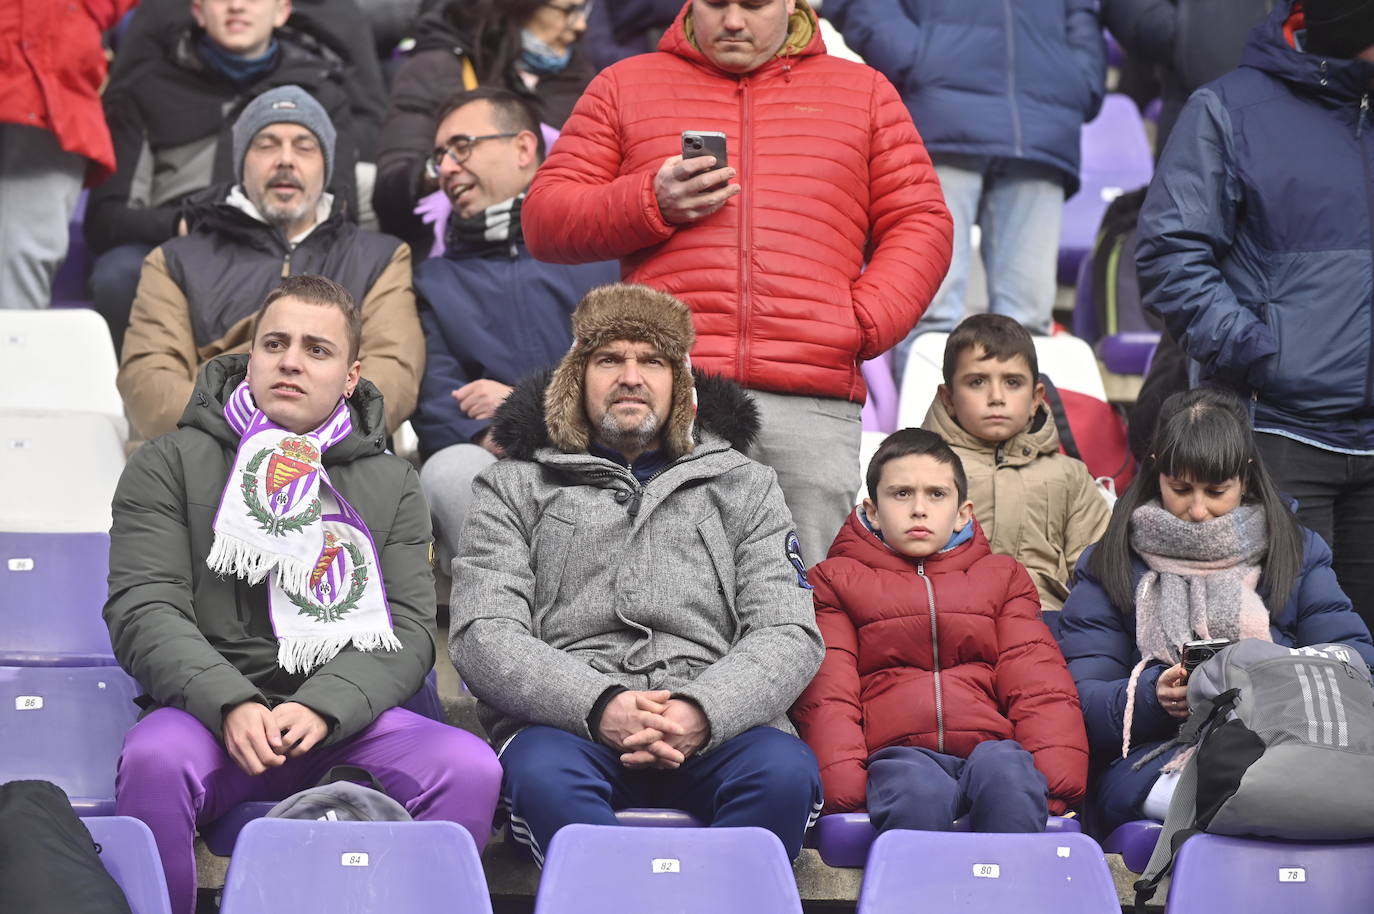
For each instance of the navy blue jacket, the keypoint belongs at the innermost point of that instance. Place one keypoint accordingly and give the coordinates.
(1257, 234)
(490, 311)
(987, 77)
(1098, 641)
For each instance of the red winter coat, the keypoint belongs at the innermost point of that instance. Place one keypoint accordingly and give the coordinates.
(832, 172)
(51, 68)
(997, 673)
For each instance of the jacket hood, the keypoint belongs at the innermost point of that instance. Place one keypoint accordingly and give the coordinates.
(218, 379)
(803, 38)
(1271, 49)
(723, 408)
(1040, 439)
(856, 541)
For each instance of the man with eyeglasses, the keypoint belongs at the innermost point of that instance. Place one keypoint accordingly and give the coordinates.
(491, 313)
(197, 293)
(817, 245)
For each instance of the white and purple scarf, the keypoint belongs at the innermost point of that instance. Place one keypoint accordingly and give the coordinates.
(280, 516)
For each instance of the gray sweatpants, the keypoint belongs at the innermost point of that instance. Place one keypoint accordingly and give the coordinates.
(812, 443)
(39, 185)
(446, 479)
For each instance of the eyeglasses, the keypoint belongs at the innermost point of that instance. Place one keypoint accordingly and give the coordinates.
(574, 12)
(459, 149)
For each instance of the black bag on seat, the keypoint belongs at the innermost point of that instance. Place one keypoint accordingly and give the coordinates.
(48, 862)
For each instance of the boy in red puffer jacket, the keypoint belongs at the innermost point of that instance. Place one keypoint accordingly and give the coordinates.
(942, 694)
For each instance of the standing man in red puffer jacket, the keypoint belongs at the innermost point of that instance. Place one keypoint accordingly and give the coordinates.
(818, 244)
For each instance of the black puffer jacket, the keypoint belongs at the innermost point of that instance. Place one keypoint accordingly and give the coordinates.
(203, 642)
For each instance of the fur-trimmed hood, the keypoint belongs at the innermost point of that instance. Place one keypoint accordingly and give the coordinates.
(723, 409)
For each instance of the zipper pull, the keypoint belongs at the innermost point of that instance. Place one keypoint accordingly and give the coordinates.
(921, 568)
(1364, 113)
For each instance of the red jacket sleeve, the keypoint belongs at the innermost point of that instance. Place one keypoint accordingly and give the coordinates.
(909, 226)
(1038, 695)
(580, 208)
(828, 714)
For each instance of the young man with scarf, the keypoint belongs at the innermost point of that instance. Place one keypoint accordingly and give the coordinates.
(629, 604)
(491, 313)
(270, 590)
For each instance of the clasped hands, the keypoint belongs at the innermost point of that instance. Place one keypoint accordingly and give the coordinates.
(653, 729)
(258, 737)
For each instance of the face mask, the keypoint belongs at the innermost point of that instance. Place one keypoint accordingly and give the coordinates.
(540, 59)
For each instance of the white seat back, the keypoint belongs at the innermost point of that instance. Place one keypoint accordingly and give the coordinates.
(59, 360)
(60, 472)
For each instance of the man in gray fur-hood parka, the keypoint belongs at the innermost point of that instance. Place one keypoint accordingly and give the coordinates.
(629, 604)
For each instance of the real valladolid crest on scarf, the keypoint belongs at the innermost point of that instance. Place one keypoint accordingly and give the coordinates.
(281, 517)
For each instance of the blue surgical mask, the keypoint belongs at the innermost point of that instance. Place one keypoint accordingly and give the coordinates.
(540, 59)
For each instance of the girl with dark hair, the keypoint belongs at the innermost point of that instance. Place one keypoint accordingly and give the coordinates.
(527, 46)
(1200, 545)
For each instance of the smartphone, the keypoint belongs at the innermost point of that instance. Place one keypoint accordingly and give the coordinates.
(1197, 652)
(705, 143)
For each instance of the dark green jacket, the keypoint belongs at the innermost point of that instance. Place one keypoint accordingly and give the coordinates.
(203, 643)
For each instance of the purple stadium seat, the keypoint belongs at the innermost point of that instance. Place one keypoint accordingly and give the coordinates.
(1214, 872)
(599, 868)
(964, 871)
(1135, 842)
(297, 865)
(844, 839)
(1116, 157)
(880, 410)
(52, 588)
(219, 836)
(1127, 353)
(130, 856)
(66, 725)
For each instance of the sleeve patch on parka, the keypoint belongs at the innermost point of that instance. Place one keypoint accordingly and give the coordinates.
(793, 547)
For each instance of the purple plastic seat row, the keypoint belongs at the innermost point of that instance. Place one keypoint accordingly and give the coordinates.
(130, 856)
(1215, 872)
(1050, 873)
(354, 867)
(844, 839)
(1135, 842)
(599, 868)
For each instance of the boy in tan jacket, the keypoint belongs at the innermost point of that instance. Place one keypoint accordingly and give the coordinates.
(1034, 503)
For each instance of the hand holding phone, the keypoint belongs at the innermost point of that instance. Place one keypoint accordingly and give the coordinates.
(1199, 652)
(695, 184)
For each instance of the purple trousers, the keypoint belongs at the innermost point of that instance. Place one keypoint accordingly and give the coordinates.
(174, 775)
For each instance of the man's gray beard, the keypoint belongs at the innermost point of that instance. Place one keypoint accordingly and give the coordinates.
(283, 217)
(613, 435)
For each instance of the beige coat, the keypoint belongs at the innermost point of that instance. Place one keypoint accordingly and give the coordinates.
(160, 360)
(1035, 504)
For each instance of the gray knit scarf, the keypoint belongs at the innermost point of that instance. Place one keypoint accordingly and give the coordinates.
(1201, 582)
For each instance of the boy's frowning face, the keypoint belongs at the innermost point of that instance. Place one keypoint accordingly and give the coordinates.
(918, 506)
(992, 399)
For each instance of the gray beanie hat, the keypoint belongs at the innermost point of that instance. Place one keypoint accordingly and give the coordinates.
(284, 105)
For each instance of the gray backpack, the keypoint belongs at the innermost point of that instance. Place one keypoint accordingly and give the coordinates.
(1284, 743)
(338, 799)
